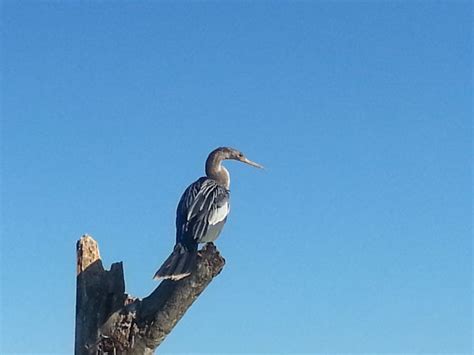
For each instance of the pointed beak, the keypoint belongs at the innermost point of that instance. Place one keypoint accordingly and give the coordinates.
(249, 162)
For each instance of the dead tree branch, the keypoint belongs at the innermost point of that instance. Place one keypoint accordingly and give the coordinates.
(108, 321)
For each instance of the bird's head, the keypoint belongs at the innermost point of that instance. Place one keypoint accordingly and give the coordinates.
(234, 154)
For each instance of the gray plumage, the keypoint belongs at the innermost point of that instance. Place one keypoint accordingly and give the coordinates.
(201, 214)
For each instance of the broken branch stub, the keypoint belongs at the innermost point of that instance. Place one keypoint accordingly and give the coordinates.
(110, 321)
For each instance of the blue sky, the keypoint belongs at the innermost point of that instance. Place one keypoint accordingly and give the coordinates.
(355, 239)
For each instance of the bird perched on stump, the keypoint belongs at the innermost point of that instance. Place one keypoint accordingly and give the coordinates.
(201, 214)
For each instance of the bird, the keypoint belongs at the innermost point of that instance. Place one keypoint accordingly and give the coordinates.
(201, 214)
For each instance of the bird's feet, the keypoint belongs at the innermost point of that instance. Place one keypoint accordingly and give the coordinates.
(205, 247)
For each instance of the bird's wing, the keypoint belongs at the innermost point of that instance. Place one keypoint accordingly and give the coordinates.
(185, 204)
(203, 203)
(220, 207)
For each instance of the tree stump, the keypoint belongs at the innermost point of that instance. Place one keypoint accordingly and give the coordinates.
(109, 321)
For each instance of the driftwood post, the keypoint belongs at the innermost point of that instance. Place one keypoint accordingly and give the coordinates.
(108, 321)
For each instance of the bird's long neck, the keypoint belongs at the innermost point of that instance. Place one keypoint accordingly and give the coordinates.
(215, 170)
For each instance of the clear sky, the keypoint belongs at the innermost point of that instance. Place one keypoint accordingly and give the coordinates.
(357, 236)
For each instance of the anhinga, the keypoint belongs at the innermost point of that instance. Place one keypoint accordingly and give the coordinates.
(201, 214)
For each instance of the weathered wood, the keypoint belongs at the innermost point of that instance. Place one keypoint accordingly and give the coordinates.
(108, 321)
(98, 294)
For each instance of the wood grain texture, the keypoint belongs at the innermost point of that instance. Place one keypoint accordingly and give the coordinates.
(108, 321)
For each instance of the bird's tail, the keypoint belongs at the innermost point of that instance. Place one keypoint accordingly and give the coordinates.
(181, 263)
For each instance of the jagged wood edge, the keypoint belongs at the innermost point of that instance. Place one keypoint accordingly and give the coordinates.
(110, 321)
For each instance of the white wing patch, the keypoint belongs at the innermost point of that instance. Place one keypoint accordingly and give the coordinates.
(219, 214)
